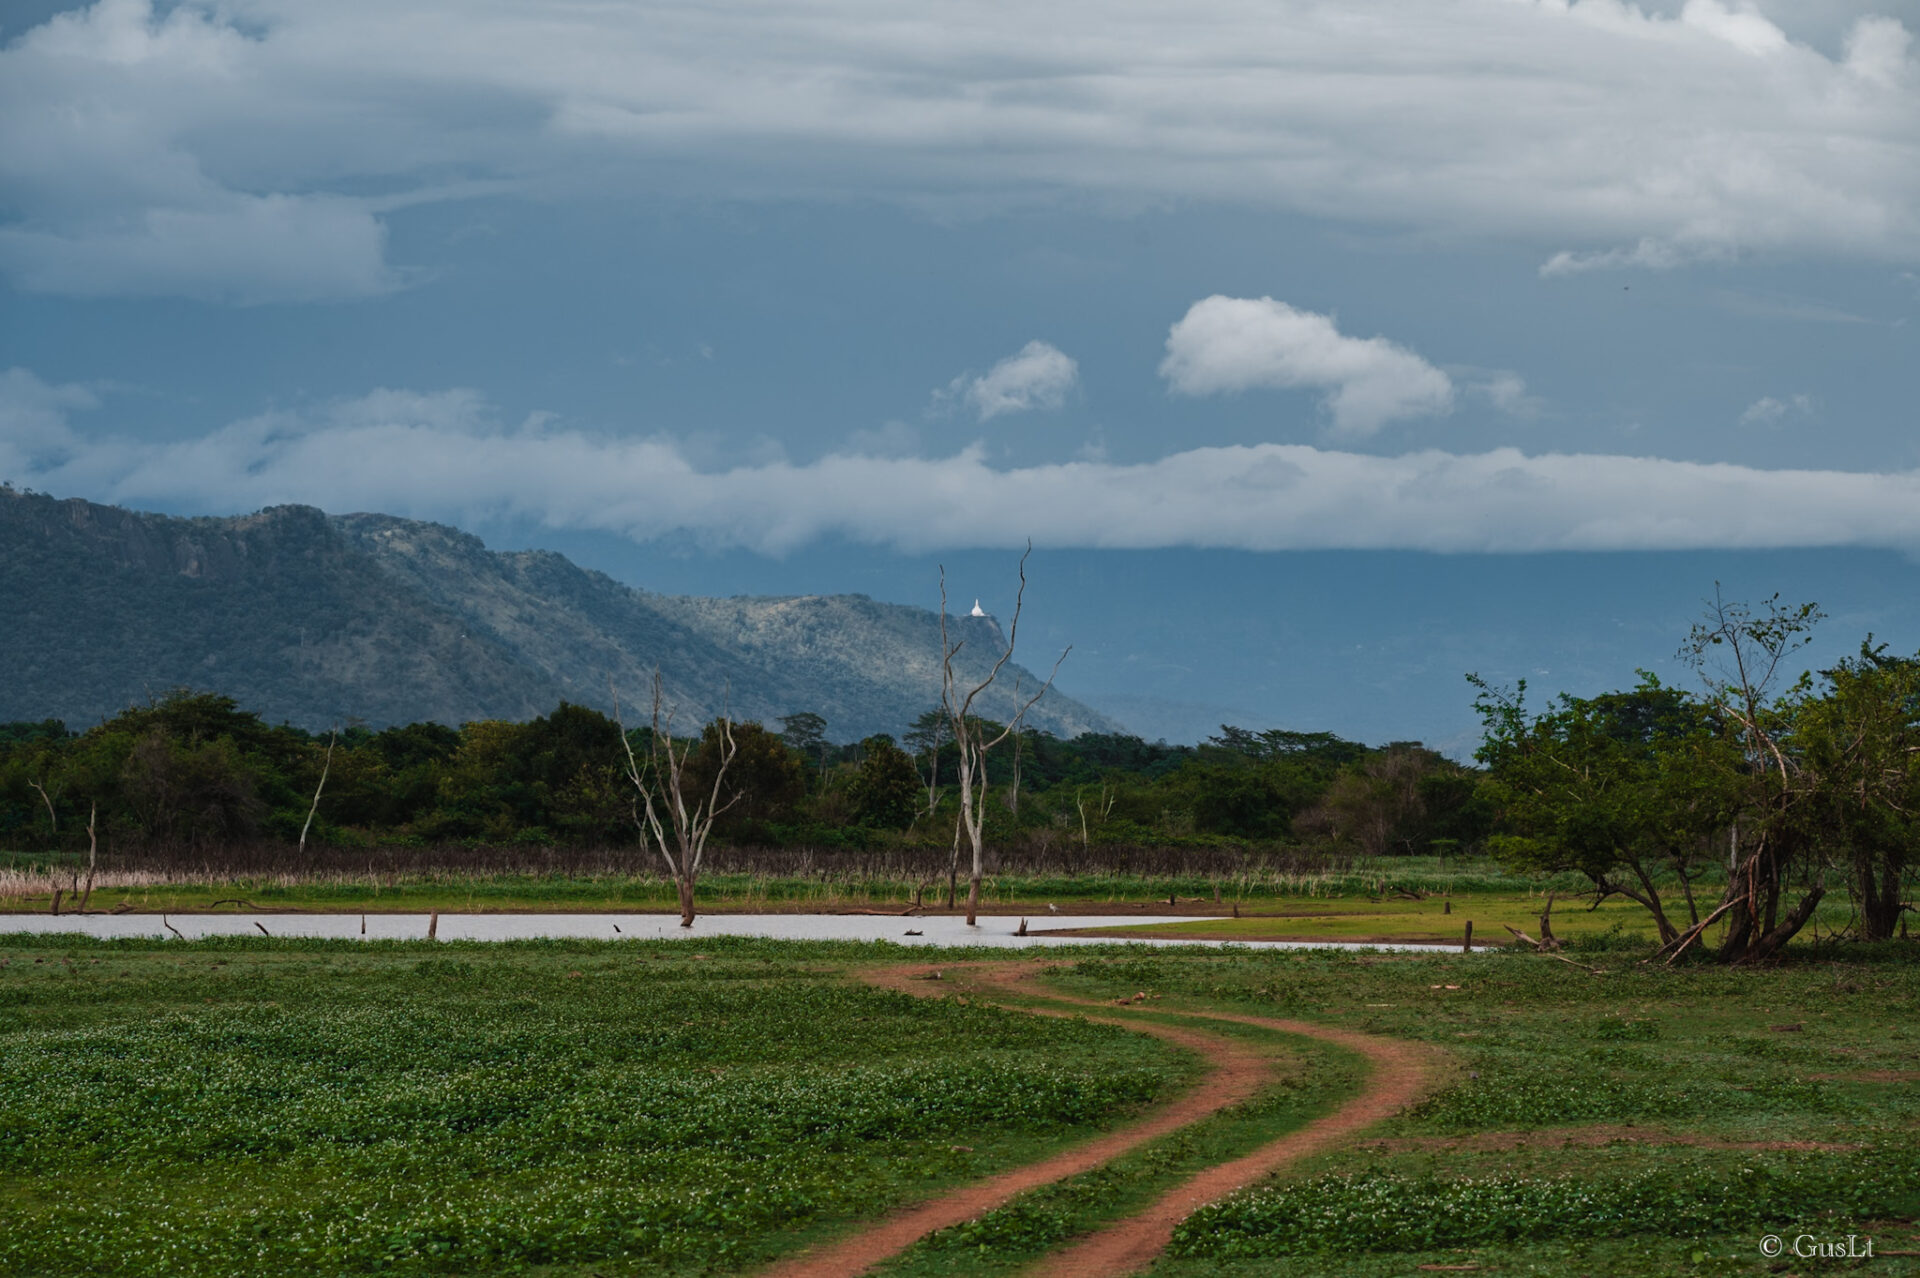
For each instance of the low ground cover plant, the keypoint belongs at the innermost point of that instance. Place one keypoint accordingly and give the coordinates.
(305, 1107)
(1637, 1120)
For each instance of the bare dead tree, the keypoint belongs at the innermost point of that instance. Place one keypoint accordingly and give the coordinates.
(325, 767)
(972, 737)
(953, 863)
(93, 856)
(1019, 740)
(1103, 805)
(53, 822)
(660, 808)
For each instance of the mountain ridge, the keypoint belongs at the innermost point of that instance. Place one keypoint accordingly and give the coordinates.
(316, 619)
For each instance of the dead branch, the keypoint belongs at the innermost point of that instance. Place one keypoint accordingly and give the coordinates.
(325, 768)
(662, 787)
(93, 855)
(1680, 943)
(53, 822)
(970, 737)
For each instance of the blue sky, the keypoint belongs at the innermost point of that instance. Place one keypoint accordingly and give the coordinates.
(1325, 350)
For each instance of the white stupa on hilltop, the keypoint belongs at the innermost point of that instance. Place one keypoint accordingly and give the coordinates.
(978, 611)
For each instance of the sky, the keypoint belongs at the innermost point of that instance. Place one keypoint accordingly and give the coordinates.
(1325, 351)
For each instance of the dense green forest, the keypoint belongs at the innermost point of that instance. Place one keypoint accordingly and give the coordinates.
(196, 771)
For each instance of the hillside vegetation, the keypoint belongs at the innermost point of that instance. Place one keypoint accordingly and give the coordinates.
(317, 620)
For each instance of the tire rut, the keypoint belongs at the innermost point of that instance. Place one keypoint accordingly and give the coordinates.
(1236, 1074)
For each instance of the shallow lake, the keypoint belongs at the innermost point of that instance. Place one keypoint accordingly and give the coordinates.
(996, 930)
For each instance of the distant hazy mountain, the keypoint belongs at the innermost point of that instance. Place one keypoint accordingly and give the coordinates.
(316, 619)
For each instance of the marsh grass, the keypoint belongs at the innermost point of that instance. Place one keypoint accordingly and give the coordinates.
(546, 878)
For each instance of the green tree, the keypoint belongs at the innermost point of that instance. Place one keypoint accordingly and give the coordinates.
(1856, 743)
(1398, 800)
(191, 793)
(1620, 788)
(1739, 652)
(929, 732)
(764, 779)
(806, 734)
(886, 790)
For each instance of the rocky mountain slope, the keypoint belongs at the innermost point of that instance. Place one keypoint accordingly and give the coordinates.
(316, 619)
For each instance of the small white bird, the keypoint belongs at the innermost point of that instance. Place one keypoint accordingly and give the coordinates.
(1052, 908)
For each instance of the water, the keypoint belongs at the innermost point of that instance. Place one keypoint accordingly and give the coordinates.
(997, 931)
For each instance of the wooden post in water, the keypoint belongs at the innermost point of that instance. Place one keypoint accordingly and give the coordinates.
(433, 926)
(363, 925)
(1446, 907)
(1466, 946)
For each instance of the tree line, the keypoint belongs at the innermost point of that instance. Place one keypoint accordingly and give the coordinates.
(1746, 801)
(194, 770)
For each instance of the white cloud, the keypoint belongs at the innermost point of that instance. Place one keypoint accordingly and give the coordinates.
(1877, 51)
(1226, 344)
(1744, 29)
(445, 456)
(1038, 375)
(1649, 254)
(134, 145)
(1768, 411)
(34, 434)
(1507, 392)
(890, 439)
(112, 124)
(239, 249)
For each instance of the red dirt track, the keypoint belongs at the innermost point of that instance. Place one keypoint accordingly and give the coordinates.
(1236, 1073)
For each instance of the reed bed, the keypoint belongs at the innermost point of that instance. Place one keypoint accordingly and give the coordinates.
(517, 876)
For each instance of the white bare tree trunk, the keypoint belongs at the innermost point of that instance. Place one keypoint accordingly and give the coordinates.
(971, 737)
(660, 788)
(325, 768)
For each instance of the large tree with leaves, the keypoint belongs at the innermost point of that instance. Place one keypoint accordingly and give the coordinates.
(1630, 789)
(1739, 653)
(1856, 746)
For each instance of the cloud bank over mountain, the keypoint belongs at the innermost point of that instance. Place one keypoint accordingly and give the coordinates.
(447, 456)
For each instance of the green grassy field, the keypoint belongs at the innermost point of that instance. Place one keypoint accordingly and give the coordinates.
(254, 1106)
(301, 1107)
(1644, 1121)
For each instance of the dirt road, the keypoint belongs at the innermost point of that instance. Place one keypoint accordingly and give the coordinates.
(1235, 1073)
